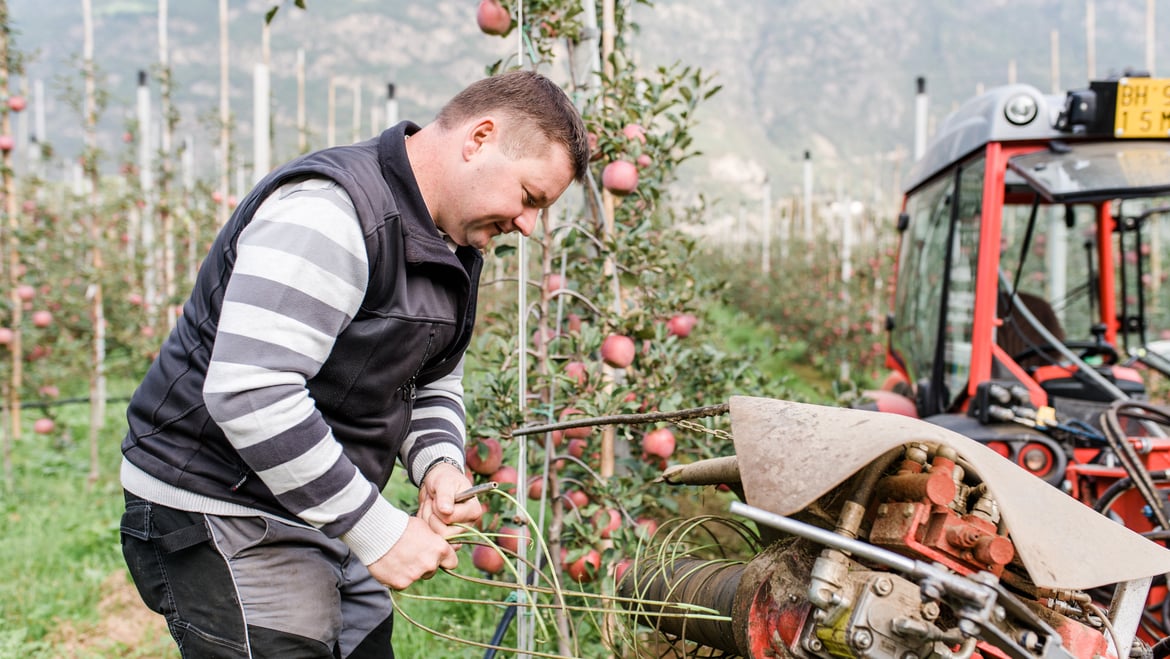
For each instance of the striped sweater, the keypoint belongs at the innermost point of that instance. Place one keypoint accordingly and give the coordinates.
(299, 278)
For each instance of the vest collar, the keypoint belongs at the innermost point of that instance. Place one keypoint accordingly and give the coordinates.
(422, 240)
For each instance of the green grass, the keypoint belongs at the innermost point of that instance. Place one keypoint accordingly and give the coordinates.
(59, 538)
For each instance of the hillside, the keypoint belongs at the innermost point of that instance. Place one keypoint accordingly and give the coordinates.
(833, 77)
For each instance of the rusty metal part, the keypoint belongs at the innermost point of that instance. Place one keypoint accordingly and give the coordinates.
(713, 471)
(791, 454)
(771, 603)
(936, 487)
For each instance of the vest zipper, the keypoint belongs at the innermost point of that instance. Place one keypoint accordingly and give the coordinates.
(410, 387)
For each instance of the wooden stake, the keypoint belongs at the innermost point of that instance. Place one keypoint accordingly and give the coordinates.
(97, 380)
(15, 348)
(225, 135)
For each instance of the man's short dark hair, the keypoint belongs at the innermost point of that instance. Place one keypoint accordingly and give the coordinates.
(530, 99)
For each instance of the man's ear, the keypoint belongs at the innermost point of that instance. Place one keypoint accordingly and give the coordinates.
(478, 133)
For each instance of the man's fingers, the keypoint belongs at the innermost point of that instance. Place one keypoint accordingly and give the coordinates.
(450, 559)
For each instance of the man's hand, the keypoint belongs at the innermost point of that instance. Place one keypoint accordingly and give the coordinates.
(436, 501)
(418, 554)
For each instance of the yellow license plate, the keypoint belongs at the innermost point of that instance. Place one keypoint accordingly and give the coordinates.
(1143, 108)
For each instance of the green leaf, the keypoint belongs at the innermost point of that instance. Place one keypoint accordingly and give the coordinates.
(270, 13)
(504, 250)
(299, 3)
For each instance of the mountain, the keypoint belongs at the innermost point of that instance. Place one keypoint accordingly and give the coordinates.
(835, 78)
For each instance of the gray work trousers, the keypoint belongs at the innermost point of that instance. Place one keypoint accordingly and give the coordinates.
(254, 586)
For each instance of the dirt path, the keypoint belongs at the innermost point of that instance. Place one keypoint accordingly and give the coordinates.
(126, 628)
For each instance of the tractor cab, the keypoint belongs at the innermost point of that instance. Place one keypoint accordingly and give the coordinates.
(1032, 265)
(1035, 246)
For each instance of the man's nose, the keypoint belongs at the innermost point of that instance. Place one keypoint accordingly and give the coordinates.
(526, 222)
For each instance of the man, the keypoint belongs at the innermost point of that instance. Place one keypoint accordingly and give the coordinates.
(323, 340)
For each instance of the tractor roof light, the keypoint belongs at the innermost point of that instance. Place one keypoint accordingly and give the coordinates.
(1021, 109)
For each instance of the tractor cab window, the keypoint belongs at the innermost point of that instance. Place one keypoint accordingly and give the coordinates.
(1141, 249)
(1054, 272)
(936, 284)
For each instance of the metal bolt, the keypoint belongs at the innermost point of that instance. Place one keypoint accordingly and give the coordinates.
(908, 511)
(909, 655)
(1030, 640)
(813, 644)
(862, 639)
(999, 614)
(968, 627)
(930, 610)
(883, 586)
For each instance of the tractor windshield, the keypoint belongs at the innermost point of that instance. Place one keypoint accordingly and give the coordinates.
(1060, 265)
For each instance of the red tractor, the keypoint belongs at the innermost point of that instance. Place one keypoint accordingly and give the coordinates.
(1028, 331)
(1032, 307)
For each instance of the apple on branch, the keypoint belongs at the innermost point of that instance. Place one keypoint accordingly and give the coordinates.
(620, 177)
(492, 18)
(617, 350)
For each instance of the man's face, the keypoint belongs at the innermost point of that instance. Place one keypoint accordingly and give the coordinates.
(501, 194)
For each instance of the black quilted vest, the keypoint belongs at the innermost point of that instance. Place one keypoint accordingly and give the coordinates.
(413, 326)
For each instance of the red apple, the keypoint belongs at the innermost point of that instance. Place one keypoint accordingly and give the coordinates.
(16, 103)
(644, 160)
(659, 443)
(493, 18)
(617, 350)
(680, 325)
(578, 371)
(509, 537)
(540, 338)
(607, 521)
(49, 391)
(485, 456)
(44, 426)
(573, 321)
(553, 282)
(578, 498)
(585, 569)
(620, 177)
(594, 153)
(646, 526)
(577, 447)
(535, 487)
(634, 132)
(574, 433)
(134, 299)
(506, 476)
(24, 292)
(6, 335)
(619, 569)
(488, 559)
(7, 143)
(42, 318)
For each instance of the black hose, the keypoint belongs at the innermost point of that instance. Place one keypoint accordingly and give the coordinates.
(1118, 487)
(509, 615)
(1161, 649)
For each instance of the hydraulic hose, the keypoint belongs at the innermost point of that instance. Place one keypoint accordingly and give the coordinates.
(685, 581)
